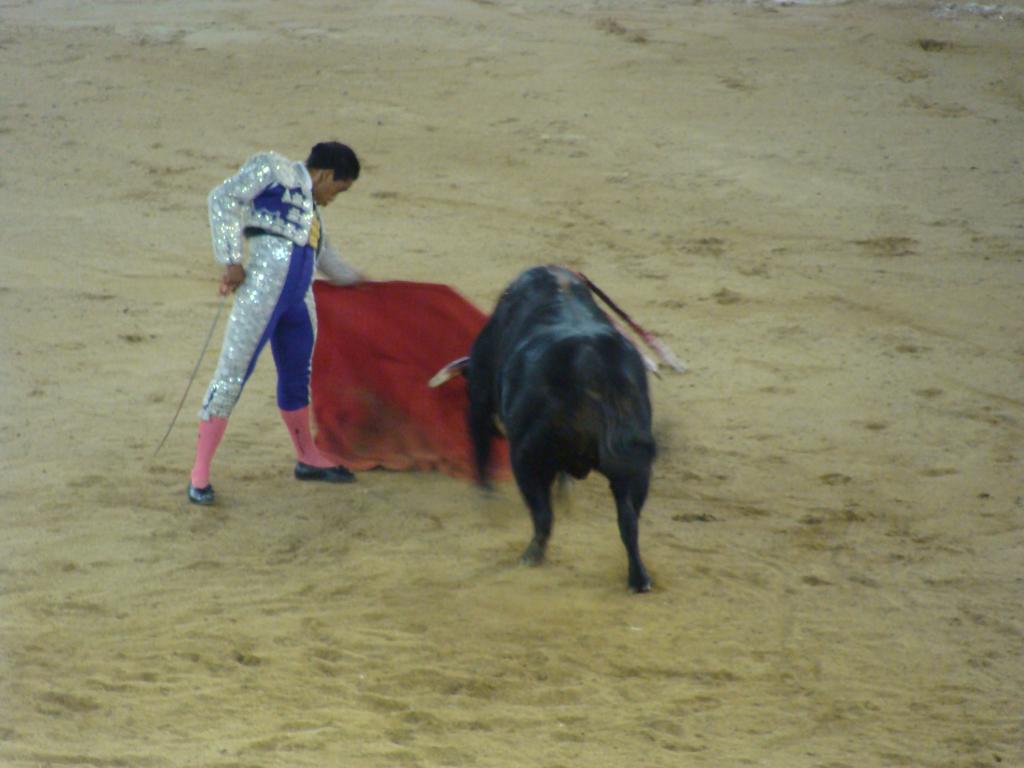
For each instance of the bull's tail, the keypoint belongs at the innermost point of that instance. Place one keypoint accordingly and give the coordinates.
(614, 406)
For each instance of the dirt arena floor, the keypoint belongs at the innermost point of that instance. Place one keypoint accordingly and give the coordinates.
(818, 206)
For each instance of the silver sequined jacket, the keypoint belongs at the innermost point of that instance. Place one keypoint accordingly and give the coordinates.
(273, 194)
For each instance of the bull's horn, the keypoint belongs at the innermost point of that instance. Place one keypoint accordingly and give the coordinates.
(449, 372)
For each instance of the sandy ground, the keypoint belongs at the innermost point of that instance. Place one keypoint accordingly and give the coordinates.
(818, 207)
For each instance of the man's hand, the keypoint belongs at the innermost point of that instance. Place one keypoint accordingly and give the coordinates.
(234, 276)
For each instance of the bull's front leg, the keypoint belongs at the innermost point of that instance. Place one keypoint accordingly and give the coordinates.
(629, 498)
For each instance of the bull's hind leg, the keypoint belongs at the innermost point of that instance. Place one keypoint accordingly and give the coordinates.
(534, 482)
(630, 494)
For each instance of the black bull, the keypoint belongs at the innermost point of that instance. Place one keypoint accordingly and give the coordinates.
(571, 393)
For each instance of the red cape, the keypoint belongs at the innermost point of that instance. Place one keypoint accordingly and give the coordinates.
(376, 348)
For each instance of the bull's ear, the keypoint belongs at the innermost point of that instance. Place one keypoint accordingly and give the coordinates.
(449, 372)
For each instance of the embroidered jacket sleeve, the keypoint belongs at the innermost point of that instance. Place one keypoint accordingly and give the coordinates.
(329, 261)
(227, 203)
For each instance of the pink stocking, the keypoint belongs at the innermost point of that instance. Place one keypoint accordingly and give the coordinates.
(210, 433)
(302, 437)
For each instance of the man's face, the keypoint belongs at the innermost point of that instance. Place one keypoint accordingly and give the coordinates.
(326, 187)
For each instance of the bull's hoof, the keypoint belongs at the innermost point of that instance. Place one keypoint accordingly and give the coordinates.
(533, 556)
(639, 581)
(643, 586)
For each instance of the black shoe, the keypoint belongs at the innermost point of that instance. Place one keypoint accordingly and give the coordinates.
(338, 474)
(200, 495)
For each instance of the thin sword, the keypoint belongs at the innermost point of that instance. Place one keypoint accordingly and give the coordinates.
(202, 352)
